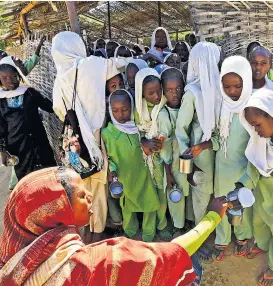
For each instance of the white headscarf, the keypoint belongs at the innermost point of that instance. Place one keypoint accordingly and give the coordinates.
(95, 43)
(203, 82)
(167, 36)
(69, 53)
(117, 48)
(129, 127)
(147, 123)
(240, 66)
(21, 89)
(140, 64)
(187, 45)
(169, 55)
(258, 151)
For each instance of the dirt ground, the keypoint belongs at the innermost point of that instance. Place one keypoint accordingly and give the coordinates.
(232, 271)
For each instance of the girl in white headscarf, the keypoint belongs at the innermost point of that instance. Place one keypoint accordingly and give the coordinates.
(69, 54)
(149, 101)
(122, 141)
(197, 119)
(161, 42)
(230, 160)
(257, 118)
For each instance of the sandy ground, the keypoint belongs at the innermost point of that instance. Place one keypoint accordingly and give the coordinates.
(232, 271)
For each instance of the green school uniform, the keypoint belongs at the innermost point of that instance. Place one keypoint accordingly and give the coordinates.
(262, 209)
(189, 132)
(125, 157)
(158, 177)
(170, 155)
(31, 63)
(228, 170)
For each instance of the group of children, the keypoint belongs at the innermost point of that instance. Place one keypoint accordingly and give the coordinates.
(157, 107)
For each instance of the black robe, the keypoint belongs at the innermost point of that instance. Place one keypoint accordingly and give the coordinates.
(22, 133)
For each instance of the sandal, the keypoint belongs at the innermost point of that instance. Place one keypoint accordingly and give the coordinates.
(254, 252)
(165, 235)
(205, 254)
(196, 282)
(265, 280)
(218, 252)
(240, 248)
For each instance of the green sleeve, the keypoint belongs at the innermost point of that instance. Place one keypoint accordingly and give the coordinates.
(215, 136)
(184, 119)
(165, 129)
(106, 136)
(31, 63)
(250, 177)
(270, 74)
(192, 240)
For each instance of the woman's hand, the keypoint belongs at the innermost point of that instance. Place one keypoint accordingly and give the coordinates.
(151, 145)
(219, 205)
(112, 175)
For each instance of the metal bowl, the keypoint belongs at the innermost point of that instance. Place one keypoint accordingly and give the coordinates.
(175, 195)
(116, 189)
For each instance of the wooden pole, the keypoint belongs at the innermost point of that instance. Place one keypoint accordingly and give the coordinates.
(159, 13)
(24, 18)
(177, 36)
(73, 17)
(109, 19)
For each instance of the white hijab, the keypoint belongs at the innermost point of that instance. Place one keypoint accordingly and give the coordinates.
(69, 53)
(258, 151)
(148, 124)
(240, 66)
(187, 45)
(203, 82)
(21, 89)
(95, 43)
(140, 64)
(129, 127)
(167, 35)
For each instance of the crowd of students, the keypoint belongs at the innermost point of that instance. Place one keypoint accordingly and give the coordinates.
(139, 111)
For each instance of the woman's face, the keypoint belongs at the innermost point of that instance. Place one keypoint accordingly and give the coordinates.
(161, 39)
(115, 83)
(174, 61)
(81, 202)
(131, 75)
(182, 50)
(121, 110)
(232, 85)
(173, 90)
(263, 124)
(260, 64)
(9, 80)
(152, 92)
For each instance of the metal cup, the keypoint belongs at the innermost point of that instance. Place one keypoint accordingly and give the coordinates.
(12, 161)
(116, 188)
(186, 164)
(175, 195)
(199, 177)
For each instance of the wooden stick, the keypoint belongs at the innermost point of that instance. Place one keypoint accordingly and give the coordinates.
(73, 17)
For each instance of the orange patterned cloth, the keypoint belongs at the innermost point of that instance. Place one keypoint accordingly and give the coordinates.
(40, 245)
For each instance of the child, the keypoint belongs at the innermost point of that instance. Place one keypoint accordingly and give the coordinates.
(196, 121)
(130, 73)
(173, 87)
(173, 60)
(183, 49)
(121, 138)
(258, 121)
(110, 48)
(149, 101)
(261, 61)
(230, 160)
(21, 130)
(160, 42)
(123, 51)
(99, 44)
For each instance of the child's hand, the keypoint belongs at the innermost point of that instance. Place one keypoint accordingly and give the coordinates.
(112, 175)
(194, 150)
(170, 180)
(151, 145)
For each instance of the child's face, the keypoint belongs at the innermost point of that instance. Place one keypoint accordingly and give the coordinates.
(9, 80)
(173, 90)
(114, 83)
(263, 124)
(182, 51)
(174, 61)
(232, 85)
(121, 111)
(131, 75)
(161, 39)
(260, 64)
(152, 92)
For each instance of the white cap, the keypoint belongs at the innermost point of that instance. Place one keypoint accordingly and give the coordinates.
(246, 197)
